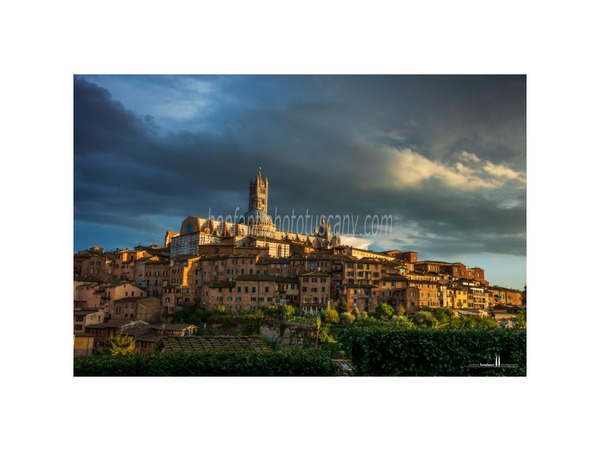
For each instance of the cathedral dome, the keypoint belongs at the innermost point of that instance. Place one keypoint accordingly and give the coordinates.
(256, 216)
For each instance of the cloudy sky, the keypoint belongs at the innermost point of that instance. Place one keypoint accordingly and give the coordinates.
(440, 159)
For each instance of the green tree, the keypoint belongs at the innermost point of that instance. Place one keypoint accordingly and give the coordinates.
(521, 320)
(185, 315)
(342, 306)
(287, 310)
(485, 322)
(402, 322)
(444, 315)
(425, 319)
(360, 315)
(384, 311)
(330, 316)
(121, 344)
(347, 317)
(473, 322)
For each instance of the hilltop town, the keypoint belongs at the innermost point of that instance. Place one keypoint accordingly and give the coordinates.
(248, 264)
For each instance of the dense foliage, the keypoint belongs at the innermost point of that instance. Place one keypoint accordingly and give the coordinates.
(386, 342)
(306, 362)
(330, 316)
(521, 320)
(121, 344)
(385, 351)
(342, 306)
(383, 311)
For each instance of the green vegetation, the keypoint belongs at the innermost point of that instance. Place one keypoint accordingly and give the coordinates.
(121, 344)
(435, 352)
(383, 311)
(425, 319)
(347, 317)
(342, 306)
(330, 316)
(521, 320)
(432, 342)
(291, 362)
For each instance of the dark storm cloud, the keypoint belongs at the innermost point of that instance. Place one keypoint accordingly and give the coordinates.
(121, 164)
(328, 144)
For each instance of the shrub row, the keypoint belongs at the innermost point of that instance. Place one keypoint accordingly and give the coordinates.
(468, 352)
(308, 362)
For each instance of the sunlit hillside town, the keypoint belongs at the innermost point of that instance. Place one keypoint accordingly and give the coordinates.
(248, 263)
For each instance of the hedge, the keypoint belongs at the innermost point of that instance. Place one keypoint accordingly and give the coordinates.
(309, 362)
(468, 352)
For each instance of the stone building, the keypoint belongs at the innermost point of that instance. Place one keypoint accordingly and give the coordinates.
(255, 228)
(245, 262)
(314, 291)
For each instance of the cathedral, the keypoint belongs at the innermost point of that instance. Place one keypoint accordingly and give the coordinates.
(253, 229)
(257, 217)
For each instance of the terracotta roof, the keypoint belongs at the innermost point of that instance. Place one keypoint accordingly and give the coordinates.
(263, 261)
(172, 326)
(276, 278)
(159, 262)
(367, 260)
(315, 274)
(207, 343)
(222, 284)
(395, 277)
(360, 286)
(148, 338)
(131, 299)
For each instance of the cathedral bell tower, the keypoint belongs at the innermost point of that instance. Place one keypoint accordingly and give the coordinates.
(256, 218)
(259, 194)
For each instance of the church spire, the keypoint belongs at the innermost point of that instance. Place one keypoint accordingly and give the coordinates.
(259, 193)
